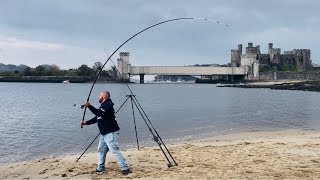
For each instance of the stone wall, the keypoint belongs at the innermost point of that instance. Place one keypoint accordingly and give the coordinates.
(288, 75)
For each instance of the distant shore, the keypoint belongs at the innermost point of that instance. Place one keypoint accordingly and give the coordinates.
(302, 85)
(53, 79)
(287, 154)
(45, 79)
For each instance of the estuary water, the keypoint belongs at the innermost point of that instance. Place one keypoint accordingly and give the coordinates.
(40, 120)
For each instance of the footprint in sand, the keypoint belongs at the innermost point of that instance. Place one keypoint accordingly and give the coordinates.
(259, 161)
(280, 143)
(44, 171)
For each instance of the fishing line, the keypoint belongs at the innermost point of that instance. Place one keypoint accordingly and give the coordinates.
(170, 20)
(156, 136)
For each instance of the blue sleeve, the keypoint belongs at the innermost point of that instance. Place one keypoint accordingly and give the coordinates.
(102, 110)
(92, 121)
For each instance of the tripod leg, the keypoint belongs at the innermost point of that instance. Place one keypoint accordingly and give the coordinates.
(155, 138)
(135, 127)
(122, 104)
(136, 102)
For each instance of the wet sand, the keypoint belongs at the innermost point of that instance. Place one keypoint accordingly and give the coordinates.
(290, 154)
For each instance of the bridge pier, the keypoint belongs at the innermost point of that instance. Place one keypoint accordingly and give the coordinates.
(231, 78)
(141, 78)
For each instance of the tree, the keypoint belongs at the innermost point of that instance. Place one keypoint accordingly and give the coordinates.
(27, 71)
(84, 70)
(55, 70)
(40, 70)
(274, 69)
(113, 72)
(97, 66)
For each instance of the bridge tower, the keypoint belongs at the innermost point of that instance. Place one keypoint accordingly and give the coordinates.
(124, 65)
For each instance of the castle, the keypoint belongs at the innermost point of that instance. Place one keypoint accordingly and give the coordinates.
(299, 58)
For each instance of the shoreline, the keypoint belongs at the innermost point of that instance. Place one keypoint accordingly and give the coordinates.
(300, 85)
(285, 154)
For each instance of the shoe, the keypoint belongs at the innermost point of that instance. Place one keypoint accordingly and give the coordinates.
(126, 172)
(99, 171)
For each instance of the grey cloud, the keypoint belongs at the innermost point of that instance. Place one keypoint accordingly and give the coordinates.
(109, 23)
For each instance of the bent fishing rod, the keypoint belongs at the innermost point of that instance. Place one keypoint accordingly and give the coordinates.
(157, 24)
(153, 131)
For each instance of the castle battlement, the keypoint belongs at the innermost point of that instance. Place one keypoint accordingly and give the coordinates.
(124, 53)
(273, 53)
(288, 53)
(234, 50)
(307, 51)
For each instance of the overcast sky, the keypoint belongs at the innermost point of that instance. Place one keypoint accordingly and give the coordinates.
(69, 33)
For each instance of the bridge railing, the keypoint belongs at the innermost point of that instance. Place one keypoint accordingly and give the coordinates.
(186, 70)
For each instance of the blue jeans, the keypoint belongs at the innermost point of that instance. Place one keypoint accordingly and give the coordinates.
(110, 142)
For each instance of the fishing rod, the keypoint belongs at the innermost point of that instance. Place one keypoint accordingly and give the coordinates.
(170, 20)
(134, 100)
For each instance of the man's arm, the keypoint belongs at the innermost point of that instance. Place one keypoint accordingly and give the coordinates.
(103, 109)
(89, 122)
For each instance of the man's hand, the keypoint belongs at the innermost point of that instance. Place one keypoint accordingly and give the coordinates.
(88, 104)
(82, 123)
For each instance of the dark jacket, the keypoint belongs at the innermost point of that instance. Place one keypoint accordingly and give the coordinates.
(105, 117)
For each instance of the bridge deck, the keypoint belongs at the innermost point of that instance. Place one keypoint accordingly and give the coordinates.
(186, 70)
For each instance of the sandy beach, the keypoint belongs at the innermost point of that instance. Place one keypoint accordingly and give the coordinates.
(289, 154)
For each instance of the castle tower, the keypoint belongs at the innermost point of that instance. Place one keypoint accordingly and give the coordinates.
(236, 56)
(250, 49)
(257, 49)
(274, 54)
(124, 65)
(240, 48)
(270, 47)
(303, 60)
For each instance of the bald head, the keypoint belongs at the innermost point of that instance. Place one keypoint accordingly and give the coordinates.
(104, 95)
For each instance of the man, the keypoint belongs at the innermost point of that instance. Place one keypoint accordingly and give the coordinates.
(109, 131)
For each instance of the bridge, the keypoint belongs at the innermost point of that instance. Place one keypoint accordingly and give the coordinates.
(126, 70)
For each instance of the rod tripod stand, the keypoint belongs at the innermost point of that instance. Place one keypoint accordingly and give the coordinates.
(153, 131)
